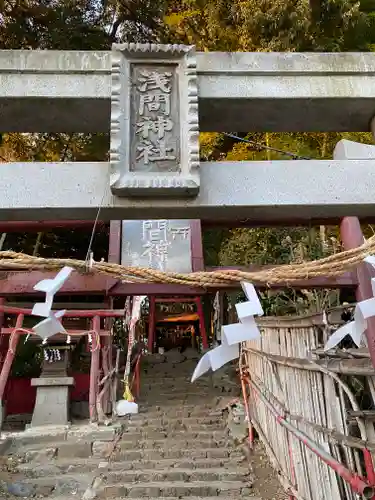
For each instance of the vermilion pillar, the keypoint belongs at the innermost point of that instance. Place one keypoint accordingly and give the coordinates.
(202, 323)
(352, 237)
(7, 366)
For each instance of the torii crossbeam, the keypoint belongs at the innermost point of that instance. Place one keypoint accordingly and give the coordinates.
(216, 91)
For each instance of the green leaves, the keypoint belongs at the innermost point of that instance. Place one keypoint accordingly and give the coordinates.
(268, 25)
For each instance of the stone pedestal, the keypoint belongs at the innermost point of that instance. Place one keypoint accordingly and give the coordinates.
(52, 397)
(52, 393)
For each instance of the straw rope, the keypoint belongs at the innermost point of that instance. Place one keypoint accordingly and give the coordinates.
(334, 265)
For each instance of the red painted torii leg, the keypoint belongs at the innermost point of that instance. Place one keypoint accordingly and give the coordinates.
(202, 323)
(352, 237)
(94, 369)
(13, 341)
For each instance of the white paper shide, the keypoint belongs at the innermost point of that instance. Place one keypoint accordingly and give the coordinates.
(356, 328)
(233, 335)
(51, 325)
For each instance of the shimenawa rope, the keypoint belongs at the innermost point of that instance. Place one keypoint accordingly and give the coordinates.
(334, 265)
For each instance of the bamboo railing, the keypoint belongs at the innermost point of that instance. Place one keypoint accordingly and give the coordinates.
(325, 447)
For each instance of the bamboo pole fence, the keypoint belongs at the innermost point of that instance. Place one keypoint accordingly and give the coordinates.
(327, 398)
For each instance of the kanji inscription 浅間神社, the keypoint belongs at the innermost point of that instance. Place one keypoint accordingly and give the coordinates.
(154, 121)
(156, 143)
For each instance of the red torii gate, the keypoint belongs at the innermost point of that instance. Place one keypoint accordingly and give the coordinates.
(22, 282)
(99, 334)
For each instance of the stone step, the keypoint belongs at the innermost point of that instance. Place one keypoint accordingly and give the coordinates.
(227, 496)
(171, 402)
(174, 384)
(171, 411)
(176, 427)
(125, 450)
(177, 474)
(182, 378)
(185, 434)
(168, 390)
(77, 466)
(45, 435)
(168, 404)
(62, 486)
(64, 449)
(190, 397)
(174, 489)
(58, 467)
(172, 443)
(158, 403)
(175, 453)
(145, 421)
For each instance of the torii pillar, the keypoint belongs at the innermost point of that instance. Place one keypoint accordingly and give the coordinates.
(352, 236)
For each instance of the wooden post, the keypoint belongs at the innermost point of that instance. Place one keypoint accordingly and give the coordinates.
(114, 255)
(151, 324)
(94, 369)
(202, 323)
(197, 259)
(114, 249)
(352, 237)
(13, 341)
(3, 348)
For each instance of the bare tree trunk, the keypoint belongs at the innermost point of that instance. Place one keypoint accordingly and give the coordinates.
(2, 240)
(323, 238)
(268, 152)
(322, 229)
(37, 244)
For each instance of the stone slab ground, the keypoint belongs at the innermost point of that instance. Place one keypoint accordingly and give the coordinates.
(177, 447)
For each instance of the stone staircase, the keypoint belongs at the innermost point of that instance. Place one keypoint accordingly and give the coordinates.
(177, 447)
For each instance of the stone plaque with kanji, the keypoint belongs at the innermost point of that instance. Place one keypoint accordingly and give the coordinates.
(154, 121)
(164, 245)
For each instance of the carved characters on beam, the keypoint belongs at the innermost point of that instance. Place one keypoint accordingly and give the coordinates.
(154, 121)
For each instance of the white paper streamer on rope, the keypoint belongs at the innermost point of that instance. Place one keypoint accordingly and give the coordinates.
(50, 326)
(233, 335)
(356, 328)
(50, 287)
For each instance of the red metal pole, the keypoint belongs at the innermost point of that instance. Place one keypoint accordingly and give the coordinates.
(176, 300)
(247, 409)
(369, 466)
(2, 338)
(151, 324)
(357, 484)
(352, 237)
(79, 313)
(94, 369)
(2, 315)
(202, 323)
(13, 341)
(25, 226)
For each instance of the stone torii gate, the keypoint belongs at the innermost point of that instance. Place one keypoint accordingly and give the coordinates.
(154, 100)
(97, 91)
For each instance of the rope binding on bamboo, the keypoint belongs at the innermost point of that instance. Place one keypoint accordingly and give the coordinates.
(334, 265)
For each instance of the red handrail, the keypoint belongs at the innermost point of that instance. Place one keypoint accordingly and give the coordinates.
(357, 483)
